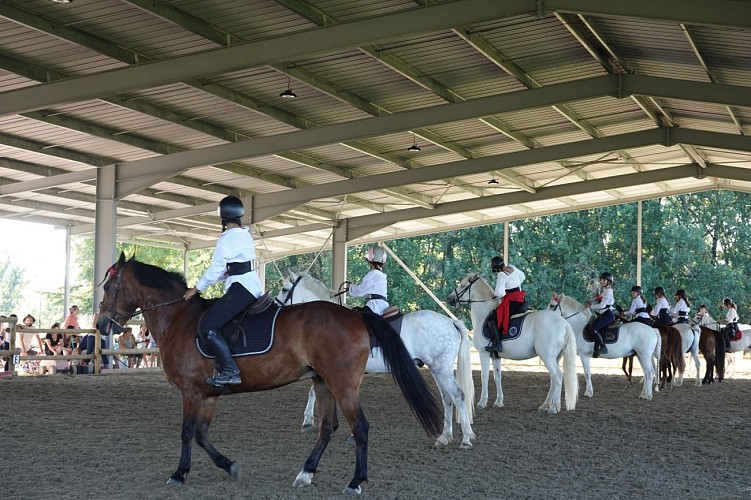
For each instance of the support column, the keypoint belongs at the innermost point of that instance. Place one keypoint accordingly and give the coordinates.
(104, 228)
(186, 261)
(339, 256)
(261, 270)
(638, 242)
(505, 241)
(66, 283)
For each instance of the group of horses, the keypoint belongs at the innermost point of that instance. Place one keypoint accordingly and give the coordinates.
(333, 346)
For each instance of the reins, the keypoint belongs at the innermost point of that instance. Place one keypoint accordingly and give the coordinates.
(467, 289)
(563, 315)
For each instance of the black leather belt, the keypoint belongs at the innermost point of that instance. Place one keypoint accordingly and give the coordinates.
(640, 310)
(375, 296)
(509, 290)
(237, 268)
(682, 313)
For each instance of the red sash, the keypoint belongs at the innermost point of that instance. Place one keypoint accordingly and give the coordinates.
(502, 310)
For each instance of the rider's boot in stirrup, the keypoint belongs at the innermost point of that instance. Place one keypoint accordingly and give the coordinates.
(229, 374)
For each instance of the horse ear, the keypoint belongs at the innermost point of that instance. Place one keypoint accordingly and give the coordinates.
(121, 260)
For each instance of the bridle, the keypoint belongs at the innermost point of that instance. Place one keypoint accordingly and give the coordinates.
(559, 308)
(468, 290)
(291, 291)
(117, 318)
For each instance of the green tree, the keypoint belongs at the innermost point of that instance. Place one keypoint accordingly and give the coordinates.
(13, 280)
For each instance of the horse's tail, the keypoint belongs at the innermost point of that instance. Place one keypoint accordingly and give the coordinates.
(656, 360)
(677, 348)
(464, 370)
(406, 375)
(570, 379)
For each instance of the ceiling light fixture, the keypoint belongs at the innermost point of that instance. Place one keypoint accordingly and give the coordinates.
(493, 181)
(288, 94)
(61, 1)
(414, 148)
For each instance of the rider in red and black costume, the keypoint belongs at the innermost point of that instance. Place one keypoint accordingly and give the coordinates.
(508, 288)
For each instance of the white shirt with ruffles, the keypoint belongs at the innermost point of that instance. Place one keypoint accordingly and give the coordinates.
(234, 245)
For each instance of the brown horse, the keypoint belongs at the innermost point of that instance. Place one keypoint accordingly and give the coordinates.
(713, 350)
(321, 341)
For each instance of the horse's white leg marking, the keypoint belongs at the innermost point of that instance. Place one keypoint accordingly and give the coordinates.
(498, 387)
(308, 419)
(303, 479)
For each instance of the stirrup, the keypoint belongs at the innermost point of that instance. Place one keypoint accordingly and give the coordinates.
(224, 379)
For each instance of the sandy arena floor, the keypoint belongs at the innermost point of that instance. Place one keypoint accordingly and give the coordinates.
(117, 436)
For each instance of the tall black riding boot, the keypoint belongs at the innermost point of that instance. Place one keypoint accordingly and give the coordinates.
(495, 345)
(600, 348)
(229, 374)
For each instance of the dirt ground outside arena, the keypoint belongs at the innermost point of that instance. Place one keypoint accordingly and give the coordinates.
(117, 436)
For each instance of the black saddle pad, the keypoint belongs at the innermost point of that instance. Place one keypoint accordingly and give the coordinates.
(611, 332)
(514, 326)
(254, 336)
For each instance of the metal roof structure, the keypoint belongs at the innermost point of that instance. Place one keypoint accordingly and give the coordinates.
(518, 108)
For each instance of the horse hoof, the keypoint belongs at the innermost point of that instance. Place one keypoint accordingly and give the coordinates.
(351, 439)
(481, 406)
(466, 446)
(303, 479)
(498, 405)
(307, 428)
(174, 482)
(350, 492)
(442, 441)
(234, 471)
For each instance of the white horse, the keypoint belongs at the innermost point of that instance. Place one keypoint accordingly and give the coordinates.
(431, 338)
(634, 337)
(690, 344)
(544, 334)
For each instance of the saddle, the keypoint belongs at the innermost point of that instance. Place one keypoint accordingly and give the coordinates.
(609, 333)
(251, 331)
(518, 311)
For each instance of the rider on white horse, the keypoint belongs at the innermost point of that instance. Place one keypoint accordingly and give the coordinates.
(679, 312)
(661, 311)
(603, 307)
(508, 289)
(373, 286)
(731, 321)
(638, 310)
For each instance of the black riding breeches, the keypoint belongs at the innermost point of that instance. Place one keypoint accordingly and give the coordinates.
(235, 299)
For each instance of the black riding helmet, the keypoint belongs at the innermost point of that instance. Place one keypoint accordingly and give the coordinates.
(231, 209)
(680, 293)
(659, 291)
(637, 289)
(607, 276)
(497, 264)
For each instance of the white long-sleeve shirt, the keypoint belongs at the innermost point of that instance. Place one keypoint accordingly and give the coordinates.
(637, 303)
(372, 283)
(732, 315)
(605, 302)
(679, 307)
(662, 303)
(234, 245)
(507, 281)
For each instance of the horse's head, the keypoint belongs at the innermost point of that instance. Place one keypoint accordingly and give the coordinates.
(118, 302)
(555, 301)
(299, 288)
(473, 288)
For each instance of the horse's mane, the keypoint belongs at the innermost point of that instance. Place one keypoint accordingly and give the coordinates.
(572, 302)
(156, 277)
(313, 285)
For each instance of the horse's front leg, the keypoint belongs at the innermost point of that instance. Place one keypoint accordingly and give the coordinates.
(498, 387)
(191, 408)
(484, 376)
(206, 414)
(308, 419)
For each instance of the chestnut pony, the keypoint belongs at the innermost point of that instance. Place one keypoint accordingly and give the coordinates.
(324, 342)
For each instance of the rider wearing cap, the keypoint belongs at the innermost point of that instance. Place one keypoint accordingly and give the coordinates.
(679, 312)
(603, 308)
(234, 262)
(731, 321)
(638, 310)
(373, 285)
(508, 289)
(661, 310)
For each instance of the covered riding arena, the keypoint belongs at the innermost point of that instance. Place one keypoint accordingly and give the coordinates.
(342, 122)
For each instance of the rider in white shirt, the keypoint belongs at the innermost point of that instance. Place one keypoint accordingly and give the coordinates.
(373, 286)
(679, 312)
(731, 321)
(638, 310)
(603, 307)
(661, 310)
(508, 289)
(234, 262)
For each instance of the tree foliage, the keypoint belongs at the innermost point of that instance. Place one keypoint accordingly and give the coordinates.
(13, 280)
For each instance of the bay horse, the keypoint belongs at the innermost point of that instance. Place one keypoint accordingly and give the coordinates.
(431, 338)
(672, 363)
(323, 342)
(544, 334)
(714, 352)
(635, 338)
